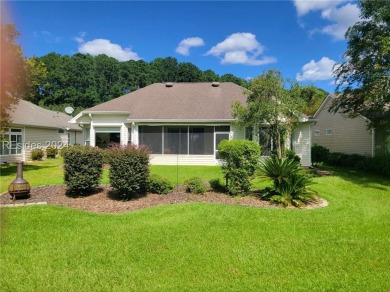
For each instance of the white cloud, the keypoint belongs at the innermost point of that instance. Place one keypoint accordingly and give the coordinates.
(47, 36)
(80, 37)
(305, 6)
(241, 48)
(103, 46)
(341, 15)
(321, 70)
(185, 45)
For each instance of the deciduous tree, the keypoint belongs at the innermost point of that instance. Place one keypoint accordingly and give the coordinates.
(364, 77)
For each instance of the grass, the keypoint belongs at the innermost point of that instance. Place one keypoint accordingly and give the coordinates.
(206, 247)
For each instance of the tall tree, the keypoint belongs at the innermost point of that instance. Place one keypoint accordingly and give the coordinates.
(364, 77)
(13, 72)
(311, 96)
(37, 74)
(231, 78)
(271, 104)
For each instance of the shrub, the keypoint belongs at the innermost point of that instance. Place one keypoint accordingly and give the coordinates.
(379, 165)
(129, 169)
(240, 160)
(37, 154)
(290, 154)
(217, 186)
(159, 185)
(289, 185)
(319, 154)
(83, 167)
(195, 185)
(51, 152)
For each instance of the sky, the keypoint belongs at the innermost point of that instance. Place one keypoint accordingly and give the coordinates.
(303, 39)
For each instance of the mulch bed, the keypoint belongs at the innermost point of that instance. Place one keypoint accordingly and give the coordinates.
(105, 200)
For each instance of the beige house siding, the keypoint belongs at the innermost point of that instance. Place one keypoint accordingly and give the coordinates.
(340, 134)
(301, 143)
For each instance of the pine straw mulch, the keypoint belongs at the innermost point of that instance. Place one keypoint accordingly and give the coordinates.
(105, 200)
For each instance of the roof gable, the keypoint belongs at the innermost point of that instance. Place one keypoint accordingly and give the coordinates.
(28, 114)
(177, 101)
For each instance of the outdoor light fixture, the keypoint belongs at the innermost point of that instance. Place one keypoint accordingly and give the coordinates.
(19, 187)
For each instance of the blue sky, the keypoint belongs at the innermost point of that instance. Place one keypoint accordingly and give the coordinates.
(301, 38)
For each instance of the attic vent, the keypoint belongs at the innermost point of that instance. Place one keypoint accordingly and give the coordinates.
(169, 84)
(215, 84)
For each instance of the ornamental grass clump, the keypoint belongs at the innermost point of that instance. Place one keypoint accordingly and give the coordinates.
(129, 169)
(289, 184)
(83, 168)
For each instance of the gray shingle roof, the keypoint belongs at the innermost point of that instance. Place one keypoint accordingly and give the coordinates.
(182, 101)
(28, 114)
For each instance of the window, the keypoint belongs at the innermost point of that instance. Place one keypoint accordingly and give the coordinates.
(329, 132)
(11, 142)
(106, 135)
(68, 138)
(87, 136)
(196, 140)
(61, 131)
(152, 137)
(201, 140)
(317, 133)
(175, 140)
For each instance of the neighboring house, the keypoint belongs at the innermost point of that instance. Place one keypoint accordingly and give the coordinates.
(35, 127)
(182, 123)
(341, 134)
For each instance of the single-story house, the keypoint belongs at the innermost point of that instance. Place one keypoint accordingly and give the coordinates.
(181, 123)
(350, 136)
(35, 127)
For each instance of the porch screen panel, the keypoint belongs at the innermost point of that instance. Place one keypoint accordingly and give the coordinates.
(201, 140)
(175, 140)
(151, 136)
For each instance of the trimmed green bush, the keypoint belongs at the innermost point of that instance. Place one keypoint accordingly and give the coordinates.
(37, 154)
(195, 185)
(83, 168)
(319, 154)
(379, 165)
(217, 186)
(240, 160)
(159, 185)
(129, 169)
(290, 154)
(51, 152)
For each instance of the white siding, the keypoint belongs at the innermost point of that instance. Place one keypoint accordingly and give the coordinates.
(349, 136)
(11, 158)
(301, 143)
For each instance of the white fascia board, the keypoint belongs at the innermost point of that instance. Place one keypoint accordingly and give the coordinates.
(180, 121)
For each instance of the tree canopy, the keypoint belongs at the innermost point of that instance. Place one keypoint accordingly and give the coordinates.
(363, 78)
(13, 72)
(270, 103)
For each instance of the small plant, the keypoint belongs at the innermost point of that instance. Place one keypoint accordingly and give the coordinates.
(289, 184)
(217, 186)
(319, 154)
(37, 154)
(159, 185)
(195, 185)
(51, 152)
(290, 154)
(83, 168)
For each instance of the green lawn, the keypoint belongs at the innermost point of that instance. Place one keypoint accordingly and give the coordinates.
(205, 247)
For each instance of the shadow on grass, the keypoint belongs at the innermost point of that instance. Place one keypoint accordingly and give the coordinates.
(363, 179)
